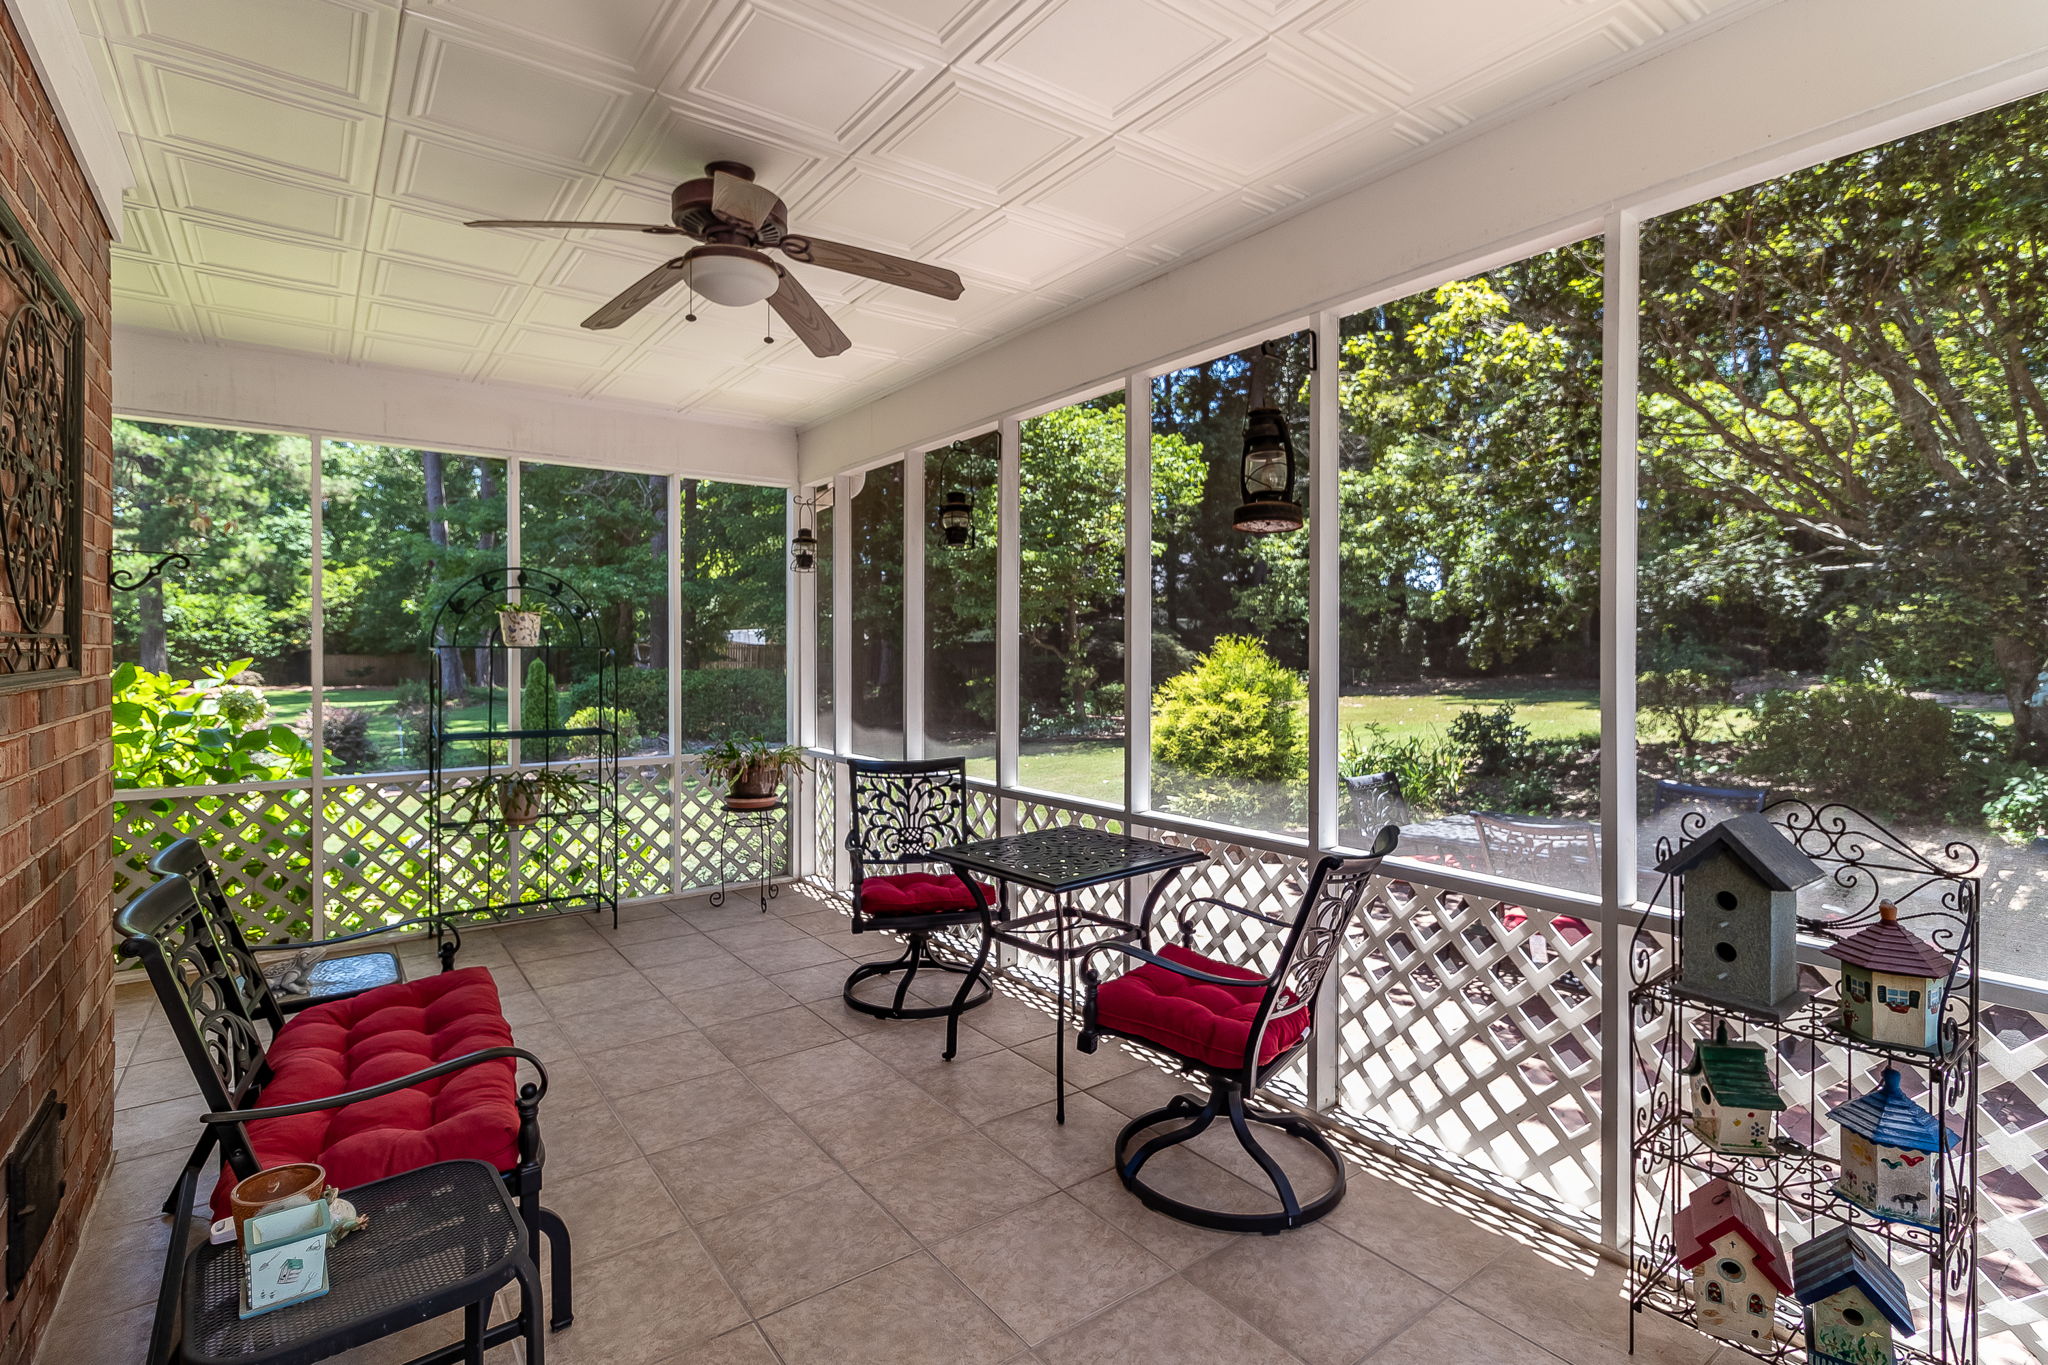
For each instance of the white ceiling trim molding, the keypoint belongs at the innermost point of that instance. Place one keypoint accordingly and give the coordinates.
(164, 377)
(49, 30)
(1780, 87)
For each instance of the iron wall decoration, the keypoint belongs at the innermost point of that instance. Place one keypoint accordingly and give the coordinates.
(42, 467)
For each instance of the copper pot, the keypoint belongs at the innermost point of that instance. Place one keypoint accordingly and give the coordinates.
(261, 1190)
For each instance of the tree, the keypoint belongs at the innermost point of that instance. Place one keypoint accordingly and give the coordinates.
(1840, 388)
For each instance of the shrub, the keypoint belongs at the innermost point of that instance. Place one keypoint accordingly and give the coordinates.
(1235, 714)
(540, 707)
(1861, 741)
(1491, 736)
(642, 691)
(2020, 812)
(732, 701)
(1686, 699)
(173, 733)
(345, 731)
(1430, 769)
(586, 746)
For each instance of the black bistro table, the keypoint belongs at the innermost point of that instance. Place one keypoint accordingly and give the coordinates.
(1061, 862)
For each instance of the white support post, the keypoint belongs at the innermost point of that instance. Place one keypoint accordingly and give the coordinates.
(843, 688)
(515, 841)
(1618, 469)
(913, 604)
(675, 681)
(800, 650)
(1324, 602)
(1137, 591)
(1323, 686)
(316, 707)
(1009, 601)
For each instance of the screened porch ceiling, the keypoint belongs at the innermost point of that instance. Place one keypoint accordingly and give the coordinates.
(302, 166)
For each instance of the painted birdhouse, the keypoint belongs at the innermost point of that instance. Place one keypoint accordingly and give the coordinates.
(1854, 1301)
(1738, 922)
(1891, 1154)
(1737, 1263)
(1893, 982)
(1731, 1097)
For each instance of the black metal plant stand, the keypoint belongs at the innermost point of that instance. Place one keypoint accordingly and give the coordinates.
(1817, 1065)
(760, 822)
(496, 856)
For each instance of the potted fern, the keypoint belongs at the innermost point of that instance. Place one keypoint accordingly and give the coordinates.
(751, 770)
(521, 798)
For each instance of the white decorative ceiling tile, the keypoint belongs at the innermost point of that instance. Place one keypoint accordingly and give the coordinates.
(154, 315)
(1021, 253)
(900, 335)
(420, 324)
(978, 139)
(1263, 113)
(487, 184)
(539, 374)
(220, 325)
(207, 112)
(671, 145)
(283, 260)
(194, 184)
(336, 49)
(874, 209)
(601, 274)
(1425, 47)
(1511, 83)
(414, 355)
(721, 337)
(615, 31)
(795, 70)
(1105, 56)
(435, 287)
(564, 347)
(1119, 191)
(443, 240)
(139, 277)
(460, 86)
(939, 22)
(269, 300)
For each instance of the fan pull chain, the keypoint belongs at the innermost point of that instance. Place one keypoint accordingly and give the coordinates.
(691, 316)
(768, 338)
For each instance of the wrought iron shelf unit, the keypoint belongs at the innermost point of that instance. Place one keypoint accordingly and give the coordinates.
(487, 867)
(1816, 1066)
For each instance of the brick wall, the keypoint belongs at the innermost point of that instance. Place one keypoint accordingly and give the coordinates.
(56, 988)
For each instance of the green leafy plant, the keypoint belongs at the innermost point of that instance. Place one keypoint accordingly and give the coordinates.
(601, 717)
(1686, 700)
(1236, 714)
(749, 766)
(2020, 812)
(1430, 769)
(520, 798)
(213, 732)
(1491, 735)
(540, 707)
(1865, 741)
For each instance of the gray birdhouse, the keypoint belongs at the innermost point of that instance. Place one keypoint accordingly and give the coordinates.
(1738, 921)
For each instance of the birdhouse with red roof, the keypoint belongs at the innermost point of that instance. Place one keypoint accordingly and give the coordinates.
(1893, 984)
(1738, 1265)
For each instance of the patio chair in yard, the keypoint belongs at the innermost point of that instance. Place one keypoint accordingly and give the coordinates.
(367, 1086)
(901, 812)
(1737, 799)
(1233, 1027)
(1527, 844)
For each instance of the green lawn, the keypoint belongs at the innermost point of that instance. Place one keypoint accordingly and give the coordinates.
(1549, 712)
(288, 704)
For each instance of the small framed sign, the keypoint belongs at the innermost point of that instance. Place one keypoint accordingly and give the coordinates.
(284, 1253)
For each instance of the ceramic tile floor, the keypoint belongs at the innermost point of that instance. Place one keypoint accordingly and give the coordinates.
(753, 1173)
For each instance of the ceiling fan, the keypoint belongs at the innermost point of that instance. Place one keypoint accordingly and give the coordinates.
(738, 222)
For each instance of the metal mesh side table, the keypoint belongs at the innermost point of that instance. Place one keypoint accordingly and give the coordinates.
(440, 1238)
(761, 823)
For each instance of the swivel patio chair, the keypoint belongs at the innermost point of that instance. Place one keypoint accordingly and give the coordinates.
(373, 1085)
(1234, 1028)
(901, 811)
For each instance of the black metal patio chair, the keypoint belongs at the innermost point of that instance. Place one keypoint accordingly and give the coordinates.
(1234, 1027)
(900, 812)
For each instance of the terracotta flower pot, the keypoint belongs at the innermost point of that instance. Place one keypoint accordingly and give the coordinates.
(518, 802)
(755, 789)
(265, 1188)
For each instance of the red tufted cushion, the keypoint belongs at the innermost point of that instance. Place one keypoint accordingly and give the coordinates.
(1195, 1019)
(918, 893)
(376, 1036)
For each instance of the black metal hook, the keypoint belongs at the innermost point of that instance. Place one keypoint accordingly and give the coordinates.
(121, 582)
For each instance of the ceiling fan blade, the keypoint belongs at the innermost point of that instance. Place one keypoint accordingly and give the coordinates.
(873, 265)
(794, 305)
(639, 294)
(562, 223)
(741, 201)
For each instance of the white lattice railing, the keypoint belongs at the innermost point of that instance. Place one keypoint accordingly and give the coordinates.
(1469, 1036)
(301, 860)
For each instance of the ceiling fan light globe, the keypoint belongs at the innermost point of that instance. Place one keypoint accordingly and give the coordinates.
(733, 280)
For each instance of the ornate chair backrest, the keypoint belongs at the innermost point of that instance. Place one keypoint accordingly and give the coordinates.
(1519, 840)
(901, 811)
(1377, 801)
(1335, 890)
(208, 982)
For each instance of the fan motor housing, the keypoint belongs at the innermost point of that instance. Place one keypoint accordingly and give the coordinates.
(690, 210)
